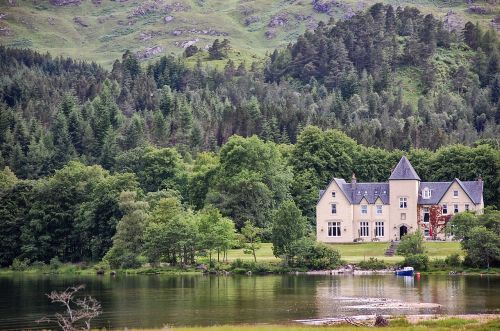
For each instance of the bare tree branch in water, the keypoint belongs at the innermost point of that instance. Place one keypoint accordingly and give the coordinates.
(78, 312)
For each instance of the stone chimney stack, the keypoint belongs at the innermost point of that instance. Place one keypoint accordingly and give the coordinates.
(353, 181)
(479, 178)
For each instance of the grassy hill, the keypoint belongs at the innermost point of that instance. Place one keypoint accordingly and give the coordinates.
(101, 30)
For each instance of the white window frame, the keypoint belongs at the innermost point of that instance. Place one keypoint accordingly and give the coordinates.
(455, 195)
(364, 209)
(380, 209)
(334, 208)
(403, 202)
(334, 229)
(426, 232)
(443, 208)
(455, 208)
(379, 229)
(467, 207)
(364, 229)
(334, 194)
(426, 193)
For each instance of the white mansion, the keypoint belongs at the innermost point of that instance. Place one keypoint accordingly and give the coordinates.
(348, 212)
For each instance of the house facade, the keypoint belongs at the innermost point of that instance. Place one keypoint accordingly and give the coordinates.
(352, 211)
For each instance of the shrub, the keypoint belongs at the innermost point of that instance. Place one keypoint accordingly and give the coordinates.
(453, 260)
(313, 255)
(20, 264)
(439, 264)
(372, 264)
(417, 261)
(411, 244)
(55, 263)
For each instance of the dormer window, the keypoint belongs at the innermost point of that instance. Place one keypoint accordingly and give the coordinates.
(359, 192)
(366, 192)
(426, 193)
(384, 192)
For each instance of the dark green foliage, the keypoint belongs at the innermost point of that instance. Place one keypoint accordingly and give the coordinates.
(288, 227)
(307, 253)
(453, 260)
(372, 264)
(419, 262)
(411, 244)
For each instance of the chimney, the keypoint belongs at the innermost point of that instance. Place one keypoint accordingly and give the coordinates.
(479, 178)
(353, 181)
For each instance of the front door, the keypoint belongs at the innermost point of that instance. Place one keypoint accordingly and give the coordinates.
(403, 230)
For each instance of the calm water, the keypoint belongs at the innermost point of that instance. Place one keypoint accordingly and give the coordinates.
(155, 301)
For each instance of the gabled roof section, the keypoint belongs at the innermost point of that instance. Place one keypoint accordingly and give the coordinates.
(473, 189)
(404, 171)
(369, 191)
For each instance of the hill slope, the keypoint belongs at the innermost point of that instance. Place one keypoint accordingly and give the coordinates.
(100, 30)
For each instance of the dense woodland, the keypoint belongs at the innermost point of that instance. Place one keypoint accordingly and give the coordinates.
(108, 163)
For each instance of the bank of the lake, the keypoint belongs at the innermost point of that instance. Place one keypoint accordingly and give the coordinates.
(443, 323)
(152, 301)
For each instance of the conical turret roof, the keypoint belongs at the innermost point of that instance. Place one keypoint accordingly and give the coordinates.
(404, 170)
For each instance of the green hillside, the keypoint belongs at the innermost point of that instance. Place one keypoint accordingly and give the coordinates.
(101, 30)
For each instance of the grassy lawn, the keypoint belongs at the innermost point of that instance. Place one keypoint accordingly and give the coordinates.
(353, 253)
(398, 324)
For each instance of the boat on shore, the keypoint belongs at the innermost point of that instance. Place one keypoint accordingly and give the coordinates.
(406, 271)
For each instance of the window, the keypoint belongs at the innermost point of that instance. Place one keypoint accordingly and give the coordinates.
(334, 208)
(334, 194)
(455, 193)
(426, 193)
(333, 229)
(364, 209)
(455, 208)
(403, 203)
(363, 229)
(379, 209)
(427, 215)
(379, 229)
(445, 209)
(426, 232)
(403, 216)
(467, 208)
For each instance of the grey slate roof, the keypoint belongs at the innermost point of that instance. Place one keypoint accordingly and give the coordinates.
(370, 191)
(404, 170)
(474, 189)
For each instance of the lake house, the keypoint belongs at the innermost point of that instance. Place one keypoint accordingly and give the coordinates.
(348, 212)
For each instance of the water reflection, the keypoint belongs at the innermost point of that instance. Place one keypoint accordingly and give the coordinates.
(154, 301)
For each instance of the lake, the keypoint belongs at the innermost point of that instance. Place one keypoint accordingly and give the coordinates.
(155, 301)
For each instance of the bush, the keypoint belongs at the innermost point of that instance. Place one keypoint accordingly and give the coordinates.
(453, 260)
(313, 255)
(417, 261)
(411, 244)
(372, 264)
(20, 265)
(439, 264)
(55, 263)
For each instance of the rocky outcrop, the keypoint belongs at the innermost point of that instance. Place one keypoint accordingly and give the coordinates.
(479, 10)
(66, 2)
(277, 20)
(168, 19)
(205, 32)
(327, 6)
(452, 21)
(150, 52)
(80, 22)
(251, 19)
(186, 43)
(495, 23)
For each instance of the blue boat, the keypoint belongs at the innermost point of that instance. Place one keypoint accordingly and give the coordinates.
(406, 271)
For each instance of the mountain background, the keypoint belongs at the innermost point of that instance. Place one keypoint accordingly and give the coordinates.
(101, 30)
